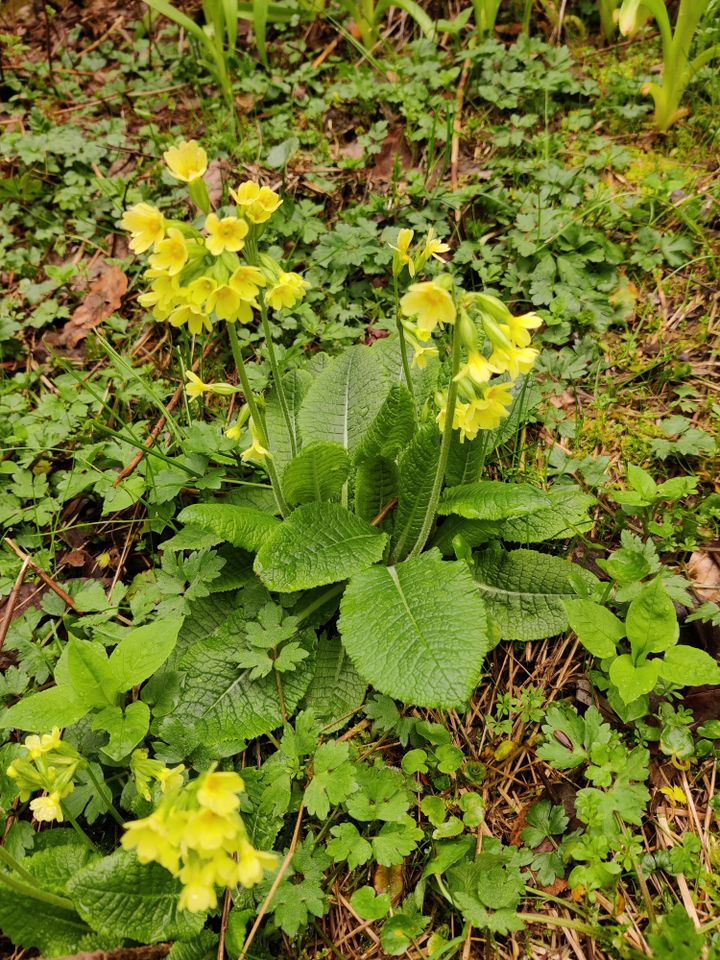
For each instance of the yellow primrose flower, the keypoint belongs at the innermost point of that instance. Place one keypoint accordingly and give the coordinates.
(256, 451)
(514, 360)
(47, 808)
(171, 778)
(478, 368)
(145, 224)
(195, 318)
(206, 830)
(37, 746)
(257, 203)
(199, 290)
(675, 794)
(186, 161)
(195, 387)
(252, 864)
(246, 281)
(235, 431)
(431, 303)
(433, 247)
(227, 304)
(197, 898)
(286, 291)
(171, 254)
(226, 234)
(219, 792)
(519, 328)
(422, 354)
(402, 256)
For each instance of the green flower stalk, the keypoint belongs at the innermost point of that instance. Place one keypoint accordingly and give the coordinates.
(678, 68)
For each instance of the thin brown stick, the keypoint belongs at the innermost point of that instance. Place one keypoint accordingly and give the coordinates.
(275, 884)
(223, 924)
(457, 130)
(320, 59)
(157, 429)
(12, 601)
(45, 577)
(384, 512)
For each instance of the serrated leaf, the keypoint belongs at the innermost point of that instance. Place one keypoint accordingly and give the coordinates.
(345, 398)
(317, 473)
(393, 427)
(295, 385)
(525, 591)
(565, 517)
(142, 651)
(416, 477)
(347, 844)
(26, 923)
(416, 631)
(319, 543)
(56, 707)
(492, 500)
(336, 688)
(243, 527)
(123, 898)
(597, 628)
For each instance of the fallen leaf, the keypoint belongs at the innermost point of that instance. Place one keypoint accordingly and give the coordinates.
(389, 880)
(394, 149)
(704, 571)
(214, 182)
(102, 300)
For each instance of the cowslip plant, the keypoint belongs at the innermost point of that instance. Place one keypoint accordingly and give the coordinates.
(651, 631)
(678, 68)
(357, 458)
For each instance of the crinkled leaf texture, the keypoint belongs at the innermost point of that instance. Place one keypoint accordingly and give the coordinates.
(243, 527)
(524, 591)
(392, 428)
(317, 473)
(492, 500)
(416, 631)
(121, 897)
(319, 543)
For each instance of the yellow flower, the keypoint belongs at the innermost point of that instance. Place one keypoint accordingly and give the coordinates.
(252, 864)
(402, 256)
(186, 161)
(228, 305)
(513, 360)
(478, 368)
(246, 281)
(197, 898)
(674, 794)
(256, 451)
(171, 778)
(171, 254)
(199, 290)
(234, 432)
(431, 303)
(256, 203)
(286, 291)
(219, 792)
(195, 387)
(37, 746)
(422, 354)
(433, 247)
(226, 234)
(206, 830)
(47, 808)
(146, 225)
(195, 318)
(151, 839)
(520, 326)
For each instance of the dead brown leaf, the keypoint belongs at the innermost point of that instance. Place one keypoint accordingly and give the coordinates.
(214, 181)
(394, 149)
(704, 571)
(103, 299)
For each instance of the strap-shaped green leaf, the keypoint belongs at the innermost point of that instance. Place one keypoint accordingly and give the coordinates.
(243, 527)
(319, 543)
(492, 500)
(296, 385)
(376, 486)
(317, 473)
(524, 591)
(417, 473)
(416, 631)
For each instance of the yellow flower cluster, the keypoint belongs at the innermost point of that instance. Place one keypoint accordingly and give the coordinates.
(145, 770)
(48, 765)
(196, 276)
(196, 832)
(491, 364)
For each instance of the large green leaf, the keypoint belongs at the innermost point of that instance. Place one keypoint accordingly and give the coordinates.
(296, 385)
(345, 398)
(376, 486)
(337, 688)
(319, 543)
(142, 651)
(243, 527)
(492, 500)
(416, 631)
(218, 706)
(392, 428)
(120, 897)
(651, 622)
(417, 473)
(524, 591)
(55, 707)
(317, 473)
